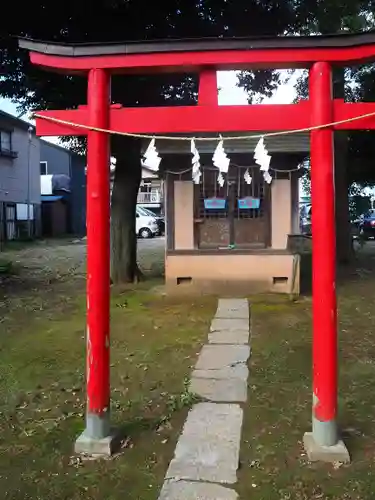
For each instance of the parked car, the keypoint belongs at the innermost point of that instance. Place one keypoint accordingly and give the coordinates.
(367, 225)
(305, 219)
(159, 219)
(146, 225)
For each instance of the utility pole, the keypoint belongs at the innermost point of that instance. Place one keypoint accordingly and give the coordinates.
(30, 132)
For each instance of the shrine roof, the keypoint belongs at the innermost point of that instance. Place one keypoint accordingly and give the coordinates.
(289, 143)
(340, 40)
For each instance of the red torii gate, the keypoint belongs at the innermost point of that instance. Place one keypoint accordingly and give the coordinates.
(206, 57)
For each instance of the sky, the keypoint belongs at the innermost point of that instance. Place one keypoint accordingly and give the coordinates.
(230, 94)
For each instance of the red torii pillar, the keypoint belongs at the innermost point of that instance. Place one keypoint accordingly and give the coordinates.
(97, 438)
(323, 443)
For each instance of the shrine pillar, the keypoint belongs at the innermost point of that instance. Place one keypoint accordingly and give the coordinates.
(96, 438)
(323, 443)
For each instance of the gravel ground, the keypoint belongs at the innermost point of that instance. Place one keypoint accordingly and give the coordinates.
(55, 258)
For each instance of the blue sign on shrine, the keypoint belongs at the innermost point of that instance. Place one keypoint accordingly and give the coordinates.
(215, 203)
(248, 203)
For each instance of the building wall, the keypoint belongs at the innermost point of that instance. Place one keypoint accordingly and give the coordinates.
(19, 182)
(219, 272)
(62, 161)
(281, 210)
(184, 215)
(78, 195)
(57, 158)
(151, 191)
(19, 177)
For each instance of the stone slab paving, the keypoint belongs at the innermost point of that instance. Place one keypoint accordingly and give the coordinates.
(229, 324)
(217, 357)
(207, 452)
(239, 371)
(232, 308)
(208, 448)
(221, 391)
(221, 377)
(229, 337)
(184, 490)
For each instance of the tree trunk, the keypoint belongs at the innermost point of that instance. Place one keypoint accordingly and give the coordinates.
(344, 244)
(128, 174)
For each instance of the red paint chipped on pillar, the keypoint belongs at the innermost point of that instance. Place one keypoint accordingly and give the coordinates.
(98, 244)
(324, 246)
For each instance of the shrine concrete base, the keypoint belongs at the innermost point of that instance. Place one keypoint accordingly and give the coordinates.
(98, 439)
(318, 453)
(105, 447)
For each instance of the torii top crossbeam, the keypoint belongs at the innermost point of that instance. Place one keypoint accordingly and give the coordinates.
(195, 54)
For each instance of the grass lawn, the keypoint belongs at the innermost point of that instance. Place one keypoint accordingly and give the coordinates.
(273, 464)
(155, 341)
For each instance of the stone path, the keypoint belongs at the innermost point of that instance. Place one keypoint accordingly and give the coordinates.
(206, 458)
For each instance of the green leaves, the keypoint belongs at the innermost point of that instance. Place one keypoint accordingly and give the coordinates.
(125, 20)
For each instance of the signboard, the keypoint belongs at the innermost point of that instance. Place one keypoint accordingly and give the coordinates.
(215, 203)
(249, 203)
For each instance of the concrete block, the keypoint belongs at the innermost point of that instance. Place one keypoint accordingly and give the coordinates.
(317, 453)
(208, 448)
(105, 447)
(217, 357)
(232, 309)
(184, 490)
(219, 324)
(224, 390)
(239, 371)
(229, 337)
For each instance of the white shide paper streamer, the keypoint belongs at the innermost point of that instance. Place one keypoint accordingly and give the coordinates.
(196, 173)
(263, 159)
(151, 158)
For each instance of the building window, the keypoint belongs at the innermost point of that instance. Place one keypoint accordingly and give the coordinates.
(5, 141)
(10, 221)
(43, 168)
(235, 215)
